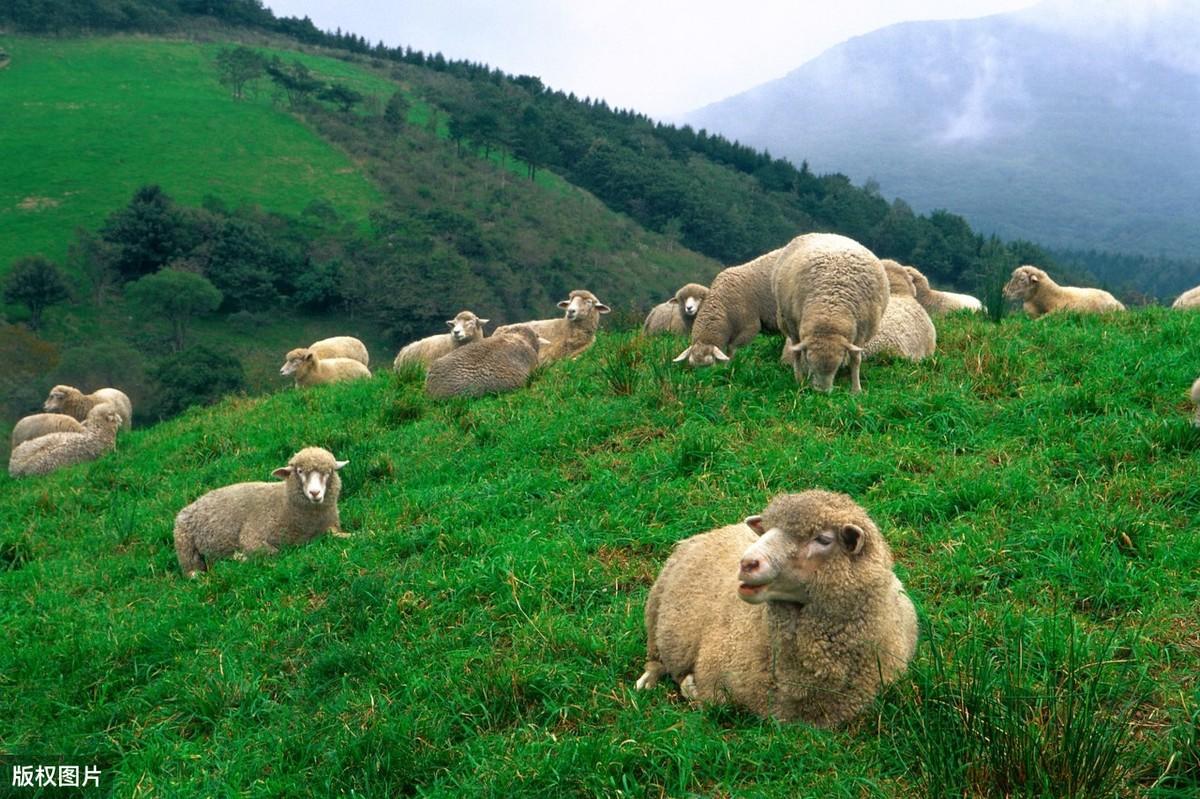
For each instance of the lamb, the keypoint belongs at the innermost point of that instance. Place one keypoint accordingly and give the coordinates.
(74, 403)
(794, 614)
(261, 517)
(502, 362)
(464, 328)
(310, 369)
(1196, 401)
(1188, 299)
(739, 304)
(831, 294)
(937, 303)
(40, 424)
(571, 334)
(905, 328)
(1041, 295)
(342, 347)
(53, 451)
(677, 314)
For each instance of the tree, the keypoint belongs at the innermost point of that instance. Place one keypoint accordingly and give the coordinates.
(95, 259)
(148, 232)
(295, 79)
(341, 95)
(237, 66)
(395, 113)
(195, 376)
(37, 284)
(176, 296)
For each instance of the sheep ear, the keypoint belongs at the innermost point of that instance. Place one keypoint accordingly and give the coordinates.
(720, 356)
(483, 322)
(602, 308)
(1033, 278)
(563, 303)
(337, 465)
(283, 472)
(853, 348)
(683, 355)
(755, 523)
(853, 538)
(449, 323)
(673, 301)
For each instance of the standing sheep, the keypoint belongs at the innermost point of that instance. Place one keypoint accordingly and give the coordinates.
(937, 303)
(794, 614)
(500, 363)
(342, 347)
(40, 424)
(677, 314)
(739, 304)
(464, 328)
(571, 334)
(1041, 295)
(52, 451)
(831, 293)
(311, 369)
(905, 328)
(250, 517)
(1188, 299)
(74, 403)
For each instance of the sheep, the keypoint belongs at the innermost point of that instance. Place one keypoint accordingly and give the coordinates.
(1188, 299)
(1041, 295)
(905, 328)
(831, 293)
(74, 403)
(1196, 401)
(262, 517)
(52, 451)
(342, 347)
(794, 613)
(40, 424)
(739, 304)
(310, 369)
(573, 332)
(464, 328)
(676, 314)
(502, 362)
(937, 303)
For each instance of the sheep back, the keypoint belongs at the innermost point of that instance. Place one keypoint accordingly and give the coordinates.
(342, 347)
(40, 424)
(499, 363)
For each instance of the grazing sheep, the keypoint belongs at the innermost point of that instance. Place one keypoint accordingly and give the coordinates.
(502, 362)
(831, 293)
(40, 424)
(905, 328)
(1188, 299)
(342, 347)
(794, 614)
(739, 304)
(464, 328)
(251, 517)
(1040, 295)
(52, 451)
(676, 314)
(76, 404)
(571, 334)
(1196, 401)
(311, 369)
(937, 303)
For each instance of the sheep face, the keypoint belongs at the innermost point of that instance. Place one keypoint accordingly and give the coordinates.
(465, 327)
(295, 360)
(820, 358)
(308, 478)
(690, 298)
(581, 304)
(698, 355)
(1024, 283)
(57, 399)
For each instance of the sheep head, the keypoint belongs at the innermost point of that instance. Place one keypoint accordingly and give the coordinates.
(689, 298)
(58, 398)
(581, 304)
(309, 474)
(1024, 283)
(820, 358)
(296, 360)
(465, 327)
(698, 355)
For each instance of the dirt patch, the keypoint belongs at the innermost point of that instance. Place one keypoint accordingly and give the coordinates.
(37, 203)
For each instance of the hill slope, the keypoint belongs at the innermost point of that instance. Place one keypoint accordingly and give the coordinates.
(480, 633)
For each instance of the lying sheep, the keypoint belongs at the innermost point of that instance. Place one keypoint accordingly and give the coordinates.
(739, 304)
(676, 314)
(261, 517)
(40, 424)
(571, 334)
(502, 362)
(794, 614)
(74, 403)
(1196, 401)
(310, 369)
(831, 293)
(1188, 299)
(1041, 295)
(464, 328)
(905, 328)
(53, 451)
(342, 347)
(937, 303)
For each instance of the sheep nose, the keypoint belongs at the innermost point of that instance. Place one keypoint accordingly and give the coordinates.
(750, 565)
(314, 493)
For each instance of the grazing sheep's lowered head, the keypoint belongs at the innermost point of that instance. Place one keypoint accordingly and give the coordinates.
(581, 304)
(311, 475)
(702, 355)
(821, 357)
(689, 298)
(1024, 283)
(465, 327)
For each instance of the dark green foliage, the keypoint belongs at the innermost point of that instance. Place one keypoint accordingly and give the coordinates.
(395, 113)
(175, 297)
(147, 233)
(37, 284)
(341, 95)
(295, 80)
(237, 66)
(198, 375)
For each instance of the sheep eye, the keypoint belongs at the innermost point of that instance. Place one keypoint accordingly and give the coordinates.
(824, 539)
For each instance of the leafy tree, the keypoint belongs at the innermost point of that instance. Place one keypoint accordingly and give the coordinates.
(395, 113)
(37, 284)
(176, 296)
(147, 233)
(341, 95)
(244, 265)
(295, 79)
(196, 376)
(95, 259)
(237, 66)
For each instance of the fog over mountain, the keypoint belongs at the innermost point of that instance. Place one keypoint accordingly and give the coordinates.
(1073, 123)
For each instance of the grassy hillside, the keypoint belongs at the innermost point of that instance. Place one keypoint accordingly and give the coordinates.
(481, 631)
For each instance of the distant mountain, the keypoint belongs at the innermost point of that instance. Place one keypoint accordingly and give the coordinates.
(1069, 124)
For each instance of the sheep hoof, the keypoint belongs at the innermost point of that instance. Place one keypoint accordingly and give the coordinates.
(688, 688)
(650, 676)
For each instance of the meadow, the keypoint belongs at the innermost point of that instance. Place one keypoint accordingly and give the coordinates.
(480, 632)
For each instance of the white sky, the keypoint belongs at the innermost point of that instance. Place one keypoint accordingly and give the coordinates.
(659, 57)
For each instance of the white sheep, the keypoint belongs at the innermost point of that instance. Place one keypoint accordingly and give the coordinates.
(261, 517)
(573, 332)
(311, 369)
(677, 314)
(342, 347)
(1040, 295)
(937, 302)
(1196, 401)
(74, 403)
(794, 614)
(464, 328)
(53, 451)
(40, 424)
(1188, 299)
(831, 293)
(501, 362)
(905, 328)
(739, 304)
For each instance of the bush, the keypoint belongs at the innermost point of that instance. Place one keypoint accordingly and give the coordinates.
(196, 376)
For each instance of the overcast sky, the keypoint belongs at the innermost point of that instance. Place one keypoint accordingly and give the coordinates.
(660, 57)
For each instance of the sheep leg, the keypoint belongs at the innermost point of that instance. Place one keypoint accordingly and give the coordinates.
(855, 362)
(649, 678)
(191, 562)
(688, 688)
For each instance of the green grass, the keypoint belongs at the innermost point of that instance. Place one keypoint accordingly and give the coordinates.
(481, 632)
